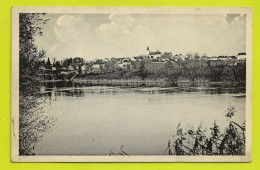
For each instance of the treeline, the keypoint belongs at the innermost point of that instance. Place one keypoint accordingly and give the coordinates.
(172, 72)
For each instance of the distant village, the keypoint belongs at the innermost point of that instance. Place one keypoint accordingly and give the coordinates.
(78, 65)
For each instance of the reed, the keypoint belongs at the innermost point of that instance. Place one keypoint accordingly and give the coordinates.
(195, 142)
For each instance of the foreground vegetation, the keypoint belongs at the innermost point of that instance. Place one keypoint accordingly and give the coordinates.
(195, 142)
(231, 141)
(33, 123)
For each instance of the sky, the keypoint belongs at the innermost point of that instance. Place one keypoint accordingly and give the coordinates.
(93, 36)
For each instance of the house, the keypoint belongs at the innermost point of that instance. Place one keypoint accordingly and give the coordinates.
(241, 56)
(164, 58)
(83, 68)
(153, 54)
(213, 58)
(118, 60)
(223, 57)
(54, 69)
(197, 57)
(65, 70)
(138, 58)
(181, 57)
(189, 57)
(232, 57)
(105, 60)
(95, 66)
(133, 59)
(226, 57)
(124, 63)
(177, 57)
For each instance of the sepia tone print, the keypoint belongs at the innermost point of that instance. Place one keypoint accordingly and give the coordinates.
(131, 84)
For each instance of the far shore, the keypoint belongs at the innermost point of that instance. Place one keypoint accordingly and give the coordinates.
(150, 83)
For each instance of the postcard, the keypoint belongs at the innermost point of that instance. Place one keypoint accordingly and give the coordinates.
(131, 84)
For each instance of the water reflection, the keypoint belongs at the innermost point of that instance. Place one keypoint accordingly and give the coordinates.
(68, 88)
(92, 120)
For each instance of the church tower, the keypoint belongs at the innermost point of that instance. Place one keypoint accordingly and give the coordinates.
(147, 50)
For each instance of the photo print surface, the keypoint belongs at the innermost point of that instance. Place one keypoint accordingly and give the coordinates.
(118, 84)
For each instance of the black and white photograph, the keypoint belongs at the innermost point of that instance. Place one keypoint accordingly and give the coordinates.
(131, 84)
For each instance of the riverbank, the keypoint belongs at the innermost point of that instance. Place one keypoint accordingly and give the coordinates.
(155, 83)
(124, 82)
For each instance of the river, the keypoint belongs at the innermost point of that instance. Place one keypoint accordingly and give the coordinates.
(94, 120)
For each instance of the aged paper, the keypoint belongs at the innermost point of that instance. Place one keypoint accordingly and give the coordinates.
(131, 84)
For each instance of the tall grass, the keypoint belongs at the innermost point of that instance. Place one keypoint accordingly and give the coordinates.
(195, 141)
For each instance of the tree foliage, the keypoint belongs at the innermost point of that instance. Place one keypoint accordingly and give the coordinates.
(30, 58)
(32, 121)
(174, 71)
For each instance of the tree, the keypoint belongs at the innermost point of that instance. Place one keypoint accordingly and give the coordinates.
(30, 25)
(228, 74)
(57, 64)
(48, 64)
(32, 121)
(142, 71)
(240, 72)
(196, 56)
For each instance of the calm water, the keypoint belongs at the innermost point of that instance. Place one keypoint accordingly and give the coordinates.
(96, 120)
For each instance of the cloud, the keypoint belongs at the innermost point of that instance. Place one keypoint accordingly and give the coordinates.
(124, 35)
(210, 34)
(98, 36)
(118, 25)
(69, 27)
(125, 20)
